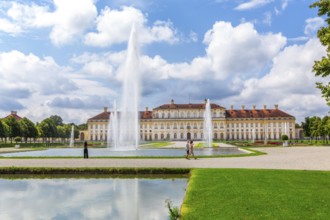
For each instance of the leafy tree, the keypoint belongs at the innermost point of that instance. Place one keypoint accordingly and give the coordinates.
(82, 127)
(322, 67)
(306, 127)
(284, 137)
(28, 129)
(3, 132)
(47, 129)
(14, 129)
(315, 127)
(57, 120)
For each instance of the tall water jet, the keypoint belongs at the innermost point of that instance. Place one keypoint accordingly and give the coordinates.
(207, 129)
(72, 137)
(113, 127)
(127, 134)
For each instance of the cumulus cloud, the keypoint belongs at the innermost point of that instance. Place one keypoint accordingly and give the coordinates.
(67, 21)
(26, 79)
(240, 50)
(290, 81)
(312, 25)
(251, 4)
(113, 26)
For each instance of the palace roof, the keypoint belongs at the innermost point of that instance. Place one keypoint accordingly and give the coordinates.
(105, 116)
(187, 106)
(13, 114)
(257, 113)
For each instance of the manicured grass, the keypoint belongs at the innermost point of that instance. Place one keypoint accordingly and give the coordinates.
(257, 194)
(156, 144)
(202, 144)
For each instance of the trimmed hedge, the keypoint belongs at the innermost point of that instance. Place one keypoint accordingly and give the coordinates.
(92, 171)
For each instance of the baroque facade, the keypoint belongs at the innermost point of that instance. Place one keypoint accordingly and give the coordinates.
(185, 121)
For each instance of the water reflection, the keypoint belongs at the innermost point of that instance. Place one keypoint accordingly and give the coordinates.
(102, 152)
(89, 198)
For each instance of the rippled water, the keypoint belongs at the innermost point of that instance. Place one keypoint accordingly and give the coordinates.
(118, 199)
(104, 152)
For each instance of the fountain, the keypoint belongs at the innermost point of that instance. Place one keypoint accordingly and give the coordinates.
(125, 130)
(112, 140)
(208, 124)
(72, 137)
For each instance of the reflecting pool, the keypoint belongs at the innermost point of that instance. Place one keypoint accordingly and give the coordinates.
(106, 152)
(118, 199)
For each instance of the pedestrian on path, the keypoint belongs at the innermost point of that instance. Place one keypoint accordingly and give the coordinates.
(85, 150)
(192, 149)
(187, 149)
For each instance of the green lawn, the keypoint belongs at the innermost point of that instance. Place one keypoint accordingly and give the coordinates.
(257, 194)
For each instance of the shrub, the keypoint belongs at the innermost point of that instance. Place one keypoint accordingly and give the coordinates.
(172, 211)
(284, 137)
(18, 139)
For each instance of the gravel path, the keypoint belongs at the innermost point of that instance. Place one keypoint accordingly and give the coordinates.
(301, 158)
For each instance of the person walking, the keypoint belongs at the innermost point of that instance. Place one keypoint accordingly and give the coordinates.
(187, 149)
(85, 150)
(191, 150)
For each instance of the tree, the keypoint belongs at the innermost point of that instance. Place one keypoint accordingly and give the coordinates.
(47, 129)
(3, 133)
(28, 129)
(322, 67)
(14, 129)
(57, 120)
(306, 127)
(83, 127)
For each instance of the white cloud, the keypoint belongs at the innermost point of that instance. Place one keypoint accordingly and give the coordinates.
(240, 50)
(290, 81)
(9, 27)
(312, 25)
(284, 4)
(68, 21)
(251, 4)
(267, 18)
(113, 26)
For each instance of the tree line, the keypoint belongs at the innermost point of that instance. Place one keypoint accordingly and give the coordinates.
(48, 130)
(317, 128)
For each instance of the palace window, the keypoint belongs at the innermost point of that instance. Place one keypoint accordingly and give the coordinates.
(161, 126)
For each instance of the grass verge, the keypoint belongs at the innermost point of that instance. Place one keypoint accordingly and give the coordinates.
(257, 194)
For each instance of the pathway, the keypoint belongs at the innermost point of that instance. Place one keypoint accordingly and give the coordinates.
(302, 158)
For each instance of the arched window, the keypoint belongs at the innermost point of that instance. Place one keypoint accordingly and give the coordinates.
(175, 136)
(156, 136)
(168, 136)
(161, 136)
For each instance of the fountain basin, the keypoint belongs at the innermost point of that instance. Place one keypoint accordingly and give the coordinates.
(106, 152)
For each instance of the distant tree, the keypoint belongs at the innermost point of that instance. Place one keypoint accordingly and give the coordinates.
(322, 67)
(284, 137)
(82, 127)
(306, 127)
(28, 129)
(14, 129)
(57, 120)
(3, 133)
(315, 127)
(47, 129)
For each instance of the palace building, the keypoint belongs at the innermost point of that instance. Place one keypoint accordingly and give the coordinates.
(185, 121)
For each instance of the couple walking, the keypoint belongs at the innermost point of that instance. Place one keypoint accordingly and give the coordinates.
(190, 149)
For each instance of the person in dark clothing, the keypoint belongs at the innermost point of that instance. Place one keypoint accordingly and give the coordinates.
(85, 150)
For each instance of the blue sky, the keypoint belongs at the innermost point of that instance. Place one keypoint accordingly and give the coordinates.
(65, 57)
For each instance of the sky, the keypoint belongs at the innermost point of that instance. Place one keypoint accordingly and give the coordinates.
(60, 57)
